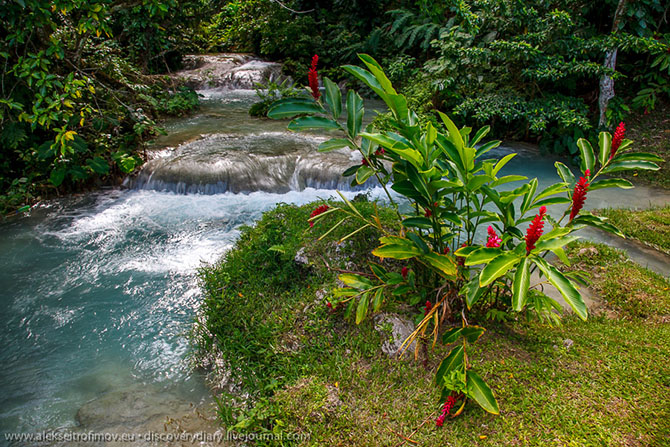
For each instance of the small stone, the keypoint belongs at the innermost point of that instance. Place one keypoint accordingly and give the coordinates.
(300, 257)
(567, 343)
(394, 330)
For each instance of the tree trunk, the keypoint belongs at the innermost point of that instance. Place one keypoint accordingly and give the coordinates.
(606, 82)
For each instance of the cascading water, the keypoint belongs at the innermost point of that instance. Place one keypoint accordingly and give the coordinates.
(98, 291)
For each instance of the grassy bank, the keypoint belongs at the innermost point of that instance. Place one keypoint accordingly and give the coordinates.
(651, 226)
(311, 371)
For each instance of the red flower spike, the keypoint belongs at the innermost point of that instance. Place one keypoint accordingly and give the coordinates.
(380, 151)
(448, 405)
(329, 305)
(579, 195)
(319, 210)
(364, 162)
(404, 272)
(619, 134)
(494, 240)
(446, 250)
(313, 78)
(535, 229)
(427, 308)
(428, 213)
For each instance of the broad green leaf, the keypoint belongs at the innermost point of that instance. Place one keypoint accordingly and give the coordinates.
(472, 292)
(417, 222)
(378, 299)
(507, 179)
(520, 285)
(481, 133)
(598, 222)
(292, 107)
(355, 113)
(605, 146)
(478, 390)
(451, 335)
(364, 173)
(419, 242)
(630, 164)
(478, 181)
(378, 73)
(333, 97)
(443, 263)
(312, 122)
(588, 157)
(497, 267)
(564, 286)
(454, 134)
(638, 156)
(565, 174)
(453, 361)
(550, 190)
(482, 255)
(472, 333)
(396, 251)
(465, 251)
(362, 309)
(356, 281)
(610, 182)
(379, 271)
(334, 144)
(367, 78)
(503, 161)
(554, 243)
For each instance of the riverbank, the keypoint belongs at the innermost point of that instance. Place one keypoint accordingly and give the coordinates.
(306, 369)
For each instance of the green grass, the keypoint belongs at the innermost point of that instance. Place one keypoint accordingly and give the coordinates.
(651, 226)
(311, 371)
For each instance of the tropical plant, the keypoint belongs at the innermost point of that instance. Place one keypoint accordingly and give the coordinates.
(271, 92)
(461, 239)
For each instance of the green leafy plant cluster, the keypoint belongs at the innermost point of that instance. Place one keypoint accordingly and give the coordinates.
(536, 66)
(271, 92)
(76, 98)
(454, 192)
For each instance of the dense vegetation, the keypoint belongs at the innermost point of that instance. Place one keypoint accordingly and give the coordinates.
(531, 69)
(77, 93)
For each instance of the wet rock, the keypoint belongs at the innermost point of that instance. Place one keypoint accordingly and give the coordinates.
(394, 330)
(227, 70)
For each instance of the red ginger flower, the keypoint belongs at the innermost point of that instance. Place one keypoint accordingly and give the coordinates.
(535, 229)
(313, 77)
(428, 213)
(494, 240)
(448, 405)
(428, 307)
(579, 195)
(364, 162)
(319, 210)
(380, 151)
(403, 272)
(619, 133)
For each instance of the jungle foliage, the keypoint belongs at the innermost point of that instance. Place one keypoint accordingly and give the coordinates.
(78, 90)
(530, 69)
